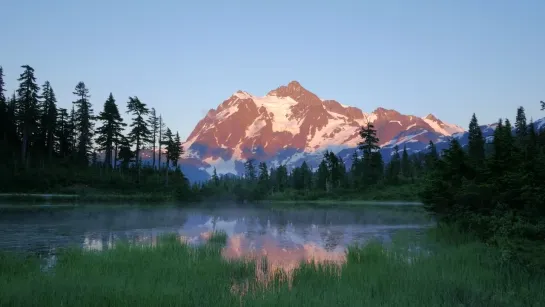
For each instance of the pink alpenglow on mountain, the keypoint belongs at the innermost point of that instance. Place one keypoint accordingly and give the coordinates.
(291, 123)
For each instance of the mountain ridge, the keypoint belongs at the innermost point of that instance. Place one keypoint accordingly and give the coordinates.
(291, 122)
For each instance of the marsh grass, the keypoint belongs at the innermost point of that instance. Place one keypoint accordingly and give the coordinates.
(461, 273)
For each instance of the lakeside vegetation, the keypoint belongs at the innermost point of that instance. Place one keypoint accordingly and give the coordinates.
(460, 272)
(494, 190)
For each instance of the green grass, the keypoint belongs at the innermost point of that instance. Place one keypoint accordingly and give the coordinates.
(462, 273)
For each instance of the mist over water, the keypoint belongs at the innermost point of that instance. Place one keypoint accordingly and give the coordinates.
(285, 237)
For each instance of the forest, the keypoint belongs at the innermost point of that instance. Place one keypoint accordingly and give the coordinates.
(494, 189)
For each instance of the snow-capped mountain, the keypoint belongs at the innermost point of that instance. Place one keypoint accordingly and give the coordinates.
(291, 124)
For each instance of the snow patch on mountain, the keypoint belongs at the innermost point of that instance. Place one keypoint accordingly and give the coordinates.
(280, 108)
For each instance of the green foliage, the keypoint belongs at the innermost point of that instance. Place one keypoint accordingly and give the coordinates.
(453, 270)
(499, 197)
(48, 149)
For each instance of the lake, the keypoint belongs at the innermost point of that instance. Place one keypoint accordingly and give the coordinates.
(285, 236)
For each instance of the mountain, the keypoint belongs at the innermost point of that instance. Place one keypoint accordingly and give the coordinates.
(291, 124)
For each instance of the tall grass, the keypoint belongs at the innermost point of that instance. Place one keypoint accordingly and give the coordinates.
(172, 274)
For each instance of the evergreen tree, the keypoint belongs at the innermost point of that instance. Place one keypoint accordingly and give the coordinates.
(27, 110)
(249, 168)
(323, 176)
(542, 105)
(140, 133)
(168, 141)
(372, 164)
(263, 179)
(281, 177)
(306, 174)
(83, 123)
(126, 156)
(161, 128)
(3, 108)
(215, 178)
(406, 166)
(475, 142)
(432, 156)
(394, 167)
(110, 132)
(154, 125)
(63, 134)
(49, 119)
(177, 150)
(521, 128)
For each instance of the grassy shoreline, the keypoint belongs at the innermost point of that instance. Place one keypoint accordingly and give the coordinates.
(464, 273)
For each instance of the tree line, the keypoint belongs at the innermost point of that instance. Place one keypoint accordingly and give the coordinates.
(45, 147)
(494, 189)
(332, 178)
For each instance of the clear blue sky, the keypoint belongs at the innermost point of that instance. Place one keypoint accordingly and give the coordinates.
(449, 58)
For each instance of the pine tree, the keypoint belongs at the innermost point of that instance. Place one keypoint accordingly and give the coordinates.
(110, 132)
(161, 128)
(521, 128)
(63, 134)
(177, 150)
(323, 175)
(249, 168)
(432, 156)
(215, 178)
(170, 151)
(83, 123)
(306, 173)
(263, 179)
(372, 164)
(3, 108)
(49, 119)
(542, 105)
(394, 167)
(27, 110)
(126, 156)
(475, 142)
(140, 133)
(168, 141)
(154, 125)
(281, 177)
(369, 141)
(406, 167)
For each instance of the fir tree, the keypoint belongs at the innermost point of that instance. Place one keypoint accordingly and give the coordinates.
(322, 176)
(154, 125)
(394, 167)
(140, 133)
(161, 128)
(372, 164)
(27, 109)
(249, 168)
(83, 123)
(475, 142)
(3, 108)
(406, 167)
(521, 128)
(177, 150)
(49, 119)
(63, 134)
(168, 141)
(215, 178)
(306, 173)
(432, 156)
(110, 132)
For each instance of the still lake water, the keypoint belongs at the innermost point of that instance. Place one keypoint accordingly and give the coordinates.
(285, 236)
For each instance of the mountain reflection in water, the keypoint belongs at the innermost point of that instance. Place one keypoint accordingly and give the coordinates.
(285, 237)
